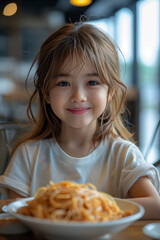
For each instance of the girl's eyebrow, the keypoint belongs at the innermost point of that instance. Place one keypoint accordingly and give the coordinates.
(94, 74)
(63, 75)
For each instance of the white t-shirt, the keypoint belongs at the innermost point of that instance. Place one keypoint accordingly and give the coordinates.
(113, 167)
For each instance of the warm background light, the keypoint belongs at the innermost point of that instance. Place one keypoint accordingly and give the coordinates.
(80, 3)
(10, 9)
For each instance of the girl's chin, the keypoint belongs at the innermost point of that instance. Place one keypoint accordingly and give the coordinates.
(81, 125)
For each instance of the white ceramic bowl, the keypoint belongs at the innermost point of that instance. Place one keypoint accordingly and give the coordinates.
(78, 230)
(152, 230)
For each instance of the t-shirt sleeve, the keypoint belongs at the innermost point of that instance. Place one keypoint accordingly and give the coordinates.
(17, 175)
(135, 167)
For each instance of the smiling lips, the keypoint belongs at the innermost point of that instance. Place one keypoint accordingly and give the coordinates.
(78, 110)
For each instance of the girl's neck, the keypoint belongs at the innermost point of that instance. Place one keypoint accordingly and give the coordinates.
(76, 142)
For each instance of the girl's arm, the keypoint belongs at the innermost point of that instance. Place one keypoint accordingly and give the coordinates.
(144, 193)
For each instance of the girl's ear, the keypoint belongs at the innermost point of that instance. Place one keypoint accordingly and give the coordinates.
(111, 92)
(47, 98)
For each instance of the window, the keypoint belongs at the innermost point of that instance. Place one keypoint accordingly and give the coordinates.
(148, 74)
(123, 37)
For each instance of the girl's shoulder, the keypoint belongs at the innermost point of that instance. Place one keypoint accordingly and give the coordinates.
(35, 144)
(122, 144)
(120, 141)
(125, 151)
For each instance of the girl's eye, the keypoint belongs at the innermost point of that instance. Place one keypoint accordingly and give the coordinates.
(63, 84)
(93, 83)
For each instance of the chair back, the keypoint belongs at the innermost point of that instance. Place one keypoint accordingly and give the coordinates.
(9, 133)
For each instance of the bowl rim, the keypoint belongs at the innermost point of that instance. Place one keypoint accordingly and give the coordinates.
(130, 218)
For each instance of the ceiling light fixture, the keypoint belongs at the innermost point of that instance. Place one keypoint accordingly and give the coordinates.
(80, 3)
(10, 9)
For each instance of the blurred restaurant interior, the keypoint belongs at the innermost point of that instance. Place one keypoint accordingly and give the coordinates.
(134, 25)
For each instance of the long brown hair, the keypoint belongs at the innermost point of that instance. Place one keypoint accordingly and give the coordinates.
(86, 42)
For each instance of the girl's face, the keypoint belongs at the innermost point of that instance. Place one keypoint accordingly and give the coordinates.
(79, 97)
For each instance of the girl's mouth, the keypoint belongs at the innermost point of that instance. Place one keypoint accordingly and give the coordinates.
(78, 110)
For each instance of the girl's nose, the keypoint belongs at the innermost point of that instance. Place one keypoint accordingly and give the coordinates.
(78, 95)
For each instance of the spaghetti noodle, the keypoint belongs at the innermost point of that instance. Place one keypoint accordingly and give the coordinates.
(68, 201)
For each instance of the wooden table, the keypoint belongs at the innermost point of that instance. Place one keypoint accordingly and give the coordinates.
(133, 232)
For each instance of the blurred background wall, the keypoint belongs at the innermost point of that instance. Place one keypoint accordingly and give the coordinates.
(134, 25)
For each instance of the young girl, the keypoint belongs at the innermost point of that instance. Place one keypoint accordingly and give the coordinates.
(78, 133)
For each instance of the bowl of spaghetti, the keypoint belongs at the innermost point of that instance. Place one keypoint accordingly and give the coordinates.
(68, 210)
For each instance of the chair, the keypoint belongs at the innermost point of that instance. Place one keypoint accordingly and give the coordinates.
(155, 134)
(9, 132)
